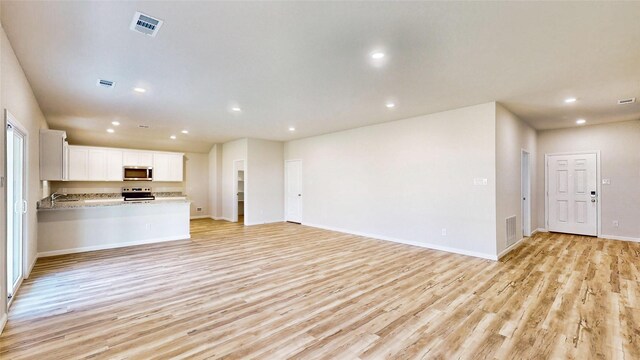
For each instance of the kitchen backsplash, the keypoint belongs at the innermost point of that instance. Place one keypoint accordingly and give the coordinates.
(83, 187)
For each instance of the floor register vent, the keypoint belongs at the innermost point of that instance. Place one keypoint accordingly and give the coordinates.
(511, 230)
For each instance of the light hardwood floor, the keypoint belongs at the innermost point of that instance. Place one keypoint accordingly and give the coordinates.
(289, 291)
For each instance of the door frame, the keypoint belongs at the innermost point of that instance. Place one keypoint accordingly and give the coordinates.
(235, 188)
(286, 210)
(9, 119)
(598, 187)
(525, 204)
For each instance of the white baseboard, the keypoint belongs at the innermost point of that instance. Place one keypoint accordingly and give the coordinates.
(200, 217)
(3, 322)
(539, 230)
(408, 242)
(112, 246)
(512, 247)
(263, 223)
(623, 238)
(222, 218)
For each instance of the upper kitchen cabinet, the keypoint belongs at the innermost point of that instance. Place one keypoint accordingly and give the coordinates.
(168, 166)
(114, 165)
(137, 158)
(78, 163)
(53, 155)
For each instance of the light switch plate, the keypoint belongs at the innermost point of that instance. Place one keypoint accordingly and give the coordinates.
(480, 181)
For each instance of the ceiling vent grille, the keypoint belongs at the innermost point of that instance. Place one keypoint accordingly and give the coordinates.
(143, 126)
(105, 83)
(145, 24)
(626, 101)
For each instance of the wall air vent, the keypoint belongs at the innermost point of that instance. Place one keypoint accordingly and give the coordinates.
(143, 126)
(105, 83)
(626, 101)
(510, 223)
(145, 24)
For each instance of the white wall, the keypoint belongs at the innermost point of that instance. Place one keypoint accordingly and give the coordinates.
(619, 145)
(215, 181)
(16, 96)
(265, 189)
(196, 182)
(512, 136)
(406, 180)
(231, 151)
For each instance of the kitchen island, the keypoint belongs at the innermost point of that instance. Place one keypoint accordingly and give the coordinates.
(87, 222)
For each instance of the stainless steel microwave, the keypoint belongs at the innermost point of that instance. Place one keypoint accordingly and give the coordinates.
(138, 173)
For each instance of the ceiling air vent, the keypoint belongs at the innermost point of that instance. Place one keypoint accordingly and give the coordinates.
(106, 83)
(626, 101)
(143, 126)
(145, 24)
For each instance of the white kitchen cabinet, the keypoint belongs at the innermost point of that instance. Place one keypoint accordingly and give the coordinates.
(114, 165)
(54, 152)
(137, 158)
(167, 167)
(97, 164)
(78, 163)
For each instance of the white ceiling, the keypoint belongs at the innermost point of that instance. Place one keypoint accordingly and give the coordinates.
(308, 65)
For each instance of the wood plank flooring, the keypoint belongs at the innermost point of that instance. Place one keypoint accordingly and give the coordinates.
(289, 291)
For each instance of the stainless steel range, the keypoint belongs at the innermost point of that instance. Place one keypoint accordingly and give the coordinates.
(137, 194)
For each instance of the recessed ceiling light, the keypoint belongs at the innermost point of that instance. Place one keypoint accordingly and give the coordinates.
(236, 109)
(570, 100)
(390, 105)
(185, 131)
(172, 137)
(111, 131)
(377, 55)
(140, 90)
(581, 121)
(115, 123)
(292, 129)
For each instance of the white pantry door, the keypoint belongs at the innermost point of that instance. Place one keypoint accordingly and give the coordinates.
(572, 194)
(293, 190)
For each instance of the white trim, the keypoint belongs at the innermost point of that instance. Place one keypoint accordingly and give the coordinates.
(200, 217)
(235, 214)
(408, 242)
(223, 218)
(112, 246)
(598, 186)
(510, 248)
(263, 223)
(539, 230)
(217, 218)
(622, 238)
(3, 322)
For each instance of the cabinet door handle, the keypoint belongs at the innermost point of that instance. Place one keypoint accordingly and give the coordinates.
(24, 206)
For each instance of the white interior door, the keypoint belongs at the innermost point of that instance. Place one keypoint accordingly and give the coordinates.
(572, 194)
(293, 190)
(526, 195)
(16, 207)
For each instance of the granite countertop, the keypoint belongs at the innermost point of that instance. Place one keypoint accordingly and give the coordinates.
(78, 201)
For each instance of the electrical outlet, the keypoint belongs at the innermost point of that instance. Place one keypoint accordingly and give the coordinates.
(199, 209)
(444, 232)
(616, 223)
(606, 181)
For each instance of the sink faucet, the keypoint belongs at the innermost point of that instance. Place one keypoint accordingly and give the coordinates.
(55, 195)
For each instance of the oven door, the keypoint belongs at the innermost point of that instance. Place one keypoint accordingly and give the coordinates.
(138, 173)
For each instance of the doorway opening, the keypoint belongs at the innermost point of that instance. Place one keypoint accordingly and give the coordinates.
(525, 177)
(16, 203)
(239, 182)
